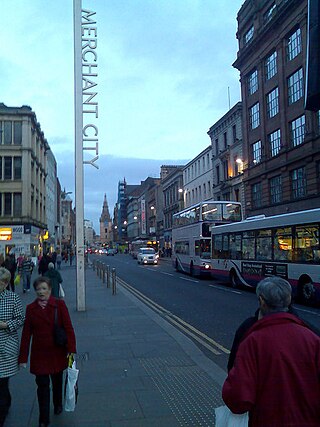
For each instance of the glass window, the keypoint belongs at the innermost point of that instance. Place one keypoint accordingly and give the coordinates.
(274, 139)
(7, 138)
(294, 44)
(276, 189)
(253, 82)
(231, 212)
(7, 167)
(267, 16)
(283, 244)
(256, 194)
(306, 243)
(7, 204)
(0, 170)
(17, 204)
(235, 246)
(254, 114)
(248, 245)
(264, 245)
(295, 86)
(17, 164)
(17, 133)
(217, 246)
(299, 183)
(271, 65)
(297, 131)
(203, 248)
(249, 35)
(256, 152)
(273, 102)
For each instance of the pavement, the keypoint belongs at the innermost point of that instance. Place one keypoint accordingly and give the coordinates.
(136, 370)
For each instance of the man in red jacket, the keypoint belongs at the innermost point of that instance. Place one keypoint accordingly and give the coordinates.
(276, 374)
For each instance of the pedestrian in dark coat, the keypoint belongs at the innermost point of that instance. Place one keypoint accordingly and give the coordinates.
(47, 360)
(55, 279)
(11, 265)
(11, 319)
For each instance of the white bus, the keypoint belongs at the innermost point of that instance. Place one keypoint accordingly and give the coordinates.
(135, 245)
(191, 234)
(283, 245)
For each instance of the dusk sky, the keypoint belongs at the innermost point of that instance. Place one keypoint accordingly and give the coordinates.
(164, 70)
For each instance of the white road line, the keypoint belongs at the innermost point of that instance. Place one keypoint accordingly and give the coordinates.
(225, 289)
(307, 311)
(188, 280)
(168, 274)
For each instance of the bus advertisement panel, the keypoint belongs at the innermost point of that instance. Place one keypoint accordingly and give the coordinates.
(283, 245)
(191, 234)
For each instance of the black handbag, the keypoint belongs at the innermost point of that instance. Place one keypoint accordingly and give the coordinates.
(59, 333)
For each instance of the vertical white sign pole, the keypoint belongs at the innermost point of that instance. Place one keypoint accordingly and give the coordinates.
(81, 304)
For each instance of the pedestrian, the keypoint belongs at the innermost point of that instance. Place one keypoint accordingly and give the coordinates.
(276, 373)
(55, 279)
(43, 264)
(11, 265)
(71, 257)
(11, 319)
(26, 272)
(59, 260)
(54, 258)
(47, 359)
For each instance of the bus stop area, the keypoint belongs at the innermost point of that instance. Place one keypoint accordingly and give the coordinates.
(136, 370)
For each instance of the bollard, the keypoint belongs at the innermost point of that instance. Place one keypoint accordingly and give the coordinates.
(108, 276)
(98, 266)
(94, 265)
(103, 273)
(114, 281)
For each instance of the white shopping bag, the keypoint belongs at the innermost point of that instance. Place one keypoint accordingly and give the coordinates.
(71, 388)
(226, 418)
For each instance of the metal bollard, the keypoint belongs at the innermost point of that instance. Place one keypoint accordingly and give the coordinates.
(114, 281)
(108, 276)
(94, 265)
(103, 273)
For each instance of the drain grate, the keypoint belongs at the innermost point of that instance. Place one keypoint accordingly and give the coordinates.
(189, 392)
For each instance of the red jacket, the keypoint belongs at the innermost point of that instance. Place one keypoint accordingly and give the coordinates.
(276, 375)
(46, 357)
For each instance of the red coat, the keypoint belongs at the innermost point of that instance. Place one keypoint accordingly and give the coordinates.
(276, 375)
(46, 357)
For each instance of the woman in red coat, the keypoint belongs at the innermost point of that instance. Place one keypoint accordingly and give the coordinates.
(46, 359)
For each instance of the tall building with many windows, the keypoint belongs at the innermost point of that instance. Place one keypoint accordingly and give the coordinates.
(23, 171)
(281, 147)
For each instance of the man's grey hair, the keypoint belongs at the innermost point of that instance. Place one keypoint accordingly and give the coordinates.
(276, 293)
(5, 275)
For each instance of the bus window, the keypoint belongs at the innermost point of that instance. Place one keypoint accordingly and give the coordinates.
(231, 212)
(248, 245)
(225, 246)
(264, 245)
(307, 243)
(235, 246)
(205, 248)
(282, 246)
(181, 248)
(211, 212)
(217, 246)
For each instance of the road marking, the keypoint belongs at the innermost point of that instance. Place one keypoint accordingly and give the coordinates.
(168, 274)
(307, 311)
(188, 280)
(225, 289)
(188, 329)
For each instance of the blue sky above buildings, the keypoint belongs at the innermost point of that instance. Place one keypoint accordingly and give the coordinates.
(164, 71)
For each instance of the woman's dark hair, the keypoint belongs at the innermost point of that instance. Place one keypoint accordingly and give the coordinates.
(41, 279)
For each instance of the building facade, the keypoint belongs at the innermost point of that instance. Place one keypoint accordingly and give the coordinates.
(281, 150)
(227, 156)
(23, 171)
(197, 178)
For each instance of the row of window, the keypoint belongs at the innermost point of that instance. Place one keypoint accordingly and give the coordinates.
(199, 193)
(295, 85)
(226, 141)
(11, 204)
(10, 167)
(297, 135)
(290, 244)
(197, 168)
(298, 188)
(293, 43)
(10, 132)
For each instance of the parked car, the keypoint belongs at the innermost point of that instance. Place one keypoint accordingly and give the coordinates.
(111, 251)
(147, 256)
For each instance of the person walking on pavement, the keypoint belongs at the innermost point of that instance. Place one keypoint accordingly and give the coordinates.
(55, 279)
(26, 272)
(11, 319)
(59, 260)
(11, 265)
(276, 373)
(43, 264)
(47, 359)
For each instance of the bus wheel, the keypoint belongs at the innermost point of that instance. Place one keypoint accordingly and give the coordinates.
(306, 290)
(191, 270)
(234, 279)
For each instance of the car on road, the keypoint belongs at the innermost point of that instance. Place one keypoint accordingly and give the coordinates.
(147, 256)
(111, 251)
